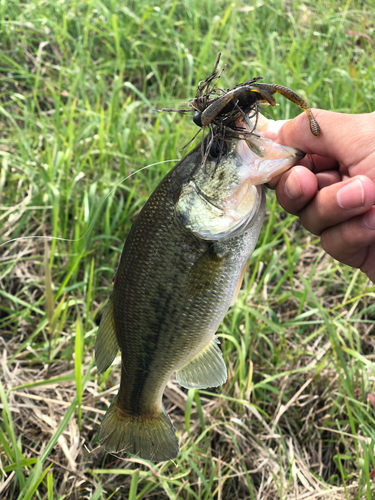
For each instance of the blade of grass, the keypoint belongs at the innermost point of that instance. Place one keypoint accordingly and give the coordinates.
(134, 485)
(14, 454)
(78, 351)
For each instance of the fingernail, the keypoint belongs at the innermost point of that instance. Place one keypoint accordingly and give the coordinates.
(293, 187)
(351, 196)
(369, 219)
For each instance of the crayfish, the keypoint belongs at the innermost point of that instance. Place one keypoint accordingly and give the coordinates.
(221, 108)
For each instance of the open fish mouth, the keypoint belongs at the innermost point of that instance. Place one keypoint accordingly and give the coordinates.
(263, 158)
(222, 198)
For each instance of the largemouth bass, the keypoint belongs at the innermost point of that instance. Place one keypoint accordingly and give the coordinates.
(181, 268)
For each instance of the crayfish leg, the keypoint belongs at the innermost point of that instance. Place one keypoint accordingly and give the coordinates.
(262, 89)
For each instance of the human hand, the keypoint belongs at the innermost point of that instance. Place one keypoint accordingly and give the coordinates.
(332, 190)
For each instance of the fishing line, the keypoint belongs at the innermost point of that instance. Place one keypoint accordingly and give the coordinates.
(97, 211)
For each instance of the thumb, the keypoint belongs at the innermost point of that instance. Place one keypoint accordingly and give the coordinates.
(345, 138)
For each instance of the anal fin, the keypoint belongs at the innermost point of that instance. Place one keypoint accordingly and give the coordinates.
(206, 369)
(106, 345)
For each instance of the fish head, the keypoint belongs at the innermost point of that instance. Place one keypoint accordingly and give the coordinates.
(221, 198)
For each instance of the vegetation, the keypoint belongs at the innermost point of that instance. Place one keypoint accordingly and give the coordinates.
(80, 82)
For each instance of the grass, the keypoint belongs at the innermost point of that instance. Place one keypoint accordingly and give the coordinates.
(79, 85)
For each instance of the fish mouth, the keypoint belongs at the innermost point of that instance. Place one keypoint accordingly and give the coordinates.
(262, 158)
(226, 206)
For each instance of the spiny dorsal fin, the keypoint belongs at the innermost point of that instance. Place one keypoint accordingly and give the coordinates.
(106, 345)
(206, 369)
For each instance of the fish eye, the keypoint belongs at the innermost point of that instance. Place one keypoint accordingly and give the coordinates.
(218, 149)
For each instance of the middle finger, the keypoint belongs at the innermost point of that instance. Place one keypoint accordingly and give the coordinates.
(337, 203)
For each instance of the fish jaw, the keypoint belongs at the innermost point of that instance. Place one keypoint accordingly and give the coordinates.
(222, 199)
(264, 159)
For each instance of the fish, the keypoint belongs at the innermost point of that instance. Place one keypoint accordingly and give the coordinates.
(181, 268)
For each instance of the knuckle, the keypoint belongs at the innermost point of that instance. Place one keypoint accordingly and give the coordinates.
(311, 220)
(339, 240)
(330, 243)
(346, 235)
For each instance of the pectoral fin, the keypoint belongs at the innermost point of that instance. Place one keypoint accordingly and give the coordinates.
(206, 369)
(205, 273)
(106, 345)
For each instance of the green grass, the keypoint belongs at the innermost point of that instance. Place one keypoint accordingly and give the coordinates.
(79, 85)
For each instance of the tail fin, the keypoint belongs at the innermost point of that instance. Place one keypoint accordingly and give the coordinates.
(153, 439)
